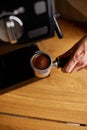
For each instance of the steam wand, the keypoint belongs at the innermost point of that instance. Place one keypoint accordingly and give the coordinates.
(59, 62)
(57, 27)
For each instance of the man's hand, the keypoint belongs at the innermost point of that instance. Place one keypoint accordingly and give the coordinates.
(77, 56)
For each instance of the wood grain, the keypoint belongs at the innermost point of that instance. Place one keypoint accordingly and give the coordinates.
(60, 97)
(17, 123)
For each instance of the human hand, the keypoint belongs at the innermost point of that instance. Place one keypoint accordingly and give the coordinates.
(77, 56)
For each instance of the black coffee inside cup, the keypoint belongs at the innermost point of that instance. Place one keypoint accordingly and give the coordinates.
(41, 61)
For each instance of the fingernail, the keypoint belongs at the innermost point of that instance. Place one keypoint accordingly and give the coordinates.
(67, 69)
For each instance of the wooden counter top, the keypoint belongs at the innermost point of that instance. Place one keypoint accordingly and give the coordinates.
(57, 102)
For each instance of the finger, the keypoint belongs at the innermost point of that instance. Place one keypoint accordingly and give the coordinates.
(85, 67)
(78, 67)
(77, 61)
(69, 66)
(81, 64)
(77, 46)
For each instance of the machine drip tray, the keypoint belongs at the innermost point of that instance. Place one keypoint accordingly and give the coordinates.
(15, 66)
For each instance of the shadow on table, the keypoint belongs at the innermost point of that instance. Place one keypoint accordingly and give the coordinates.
(15, 69)
(18, 85)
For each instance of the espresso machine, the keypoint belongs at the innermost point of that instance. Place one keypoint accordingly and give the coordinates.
(22, 24)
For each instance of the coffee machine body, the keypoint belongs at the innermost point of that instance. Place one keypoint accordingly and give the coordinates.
(26, 21)
(22, 24)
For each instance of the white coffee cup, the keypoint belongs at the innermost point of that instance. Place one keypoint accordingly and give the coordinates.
(41, 63)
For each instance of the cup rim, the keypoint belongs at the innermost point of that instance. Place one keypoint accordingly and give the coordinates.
(38, 53)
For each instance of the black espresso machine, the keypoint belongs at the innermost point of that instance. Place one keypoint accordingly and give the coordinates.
(22, 24)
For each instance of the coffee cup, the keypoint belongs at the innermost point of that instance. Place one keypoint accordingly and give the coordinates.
(41, 64)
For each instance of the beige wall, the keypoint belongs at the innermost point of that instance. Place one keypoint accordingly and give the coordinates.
(72, 9)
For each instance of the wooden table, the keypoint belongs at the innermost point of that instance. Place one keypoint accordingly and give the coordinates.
(57, 102)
